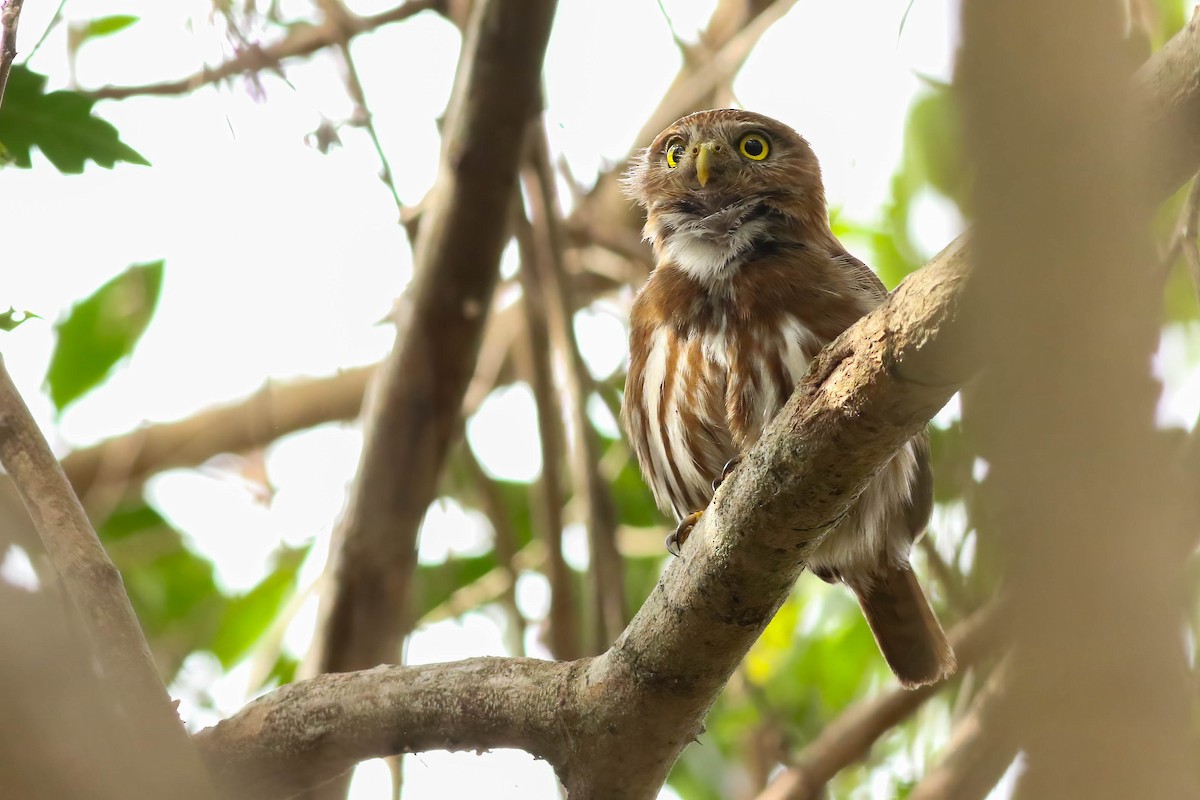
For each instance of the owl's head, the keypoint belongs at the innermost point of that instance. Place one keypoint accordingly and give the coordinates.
(715, 158)
(718, 185)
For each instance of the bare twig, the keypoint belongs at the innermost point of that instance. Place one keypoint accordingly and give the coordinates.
(498, 513)
(562, 636)
(850, 737)
(10, 18)
(299, 41)
(591, 489)
(94, 586)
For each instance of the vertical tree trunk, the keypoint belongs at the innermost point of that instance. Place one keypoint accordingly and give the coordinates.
(1081, 484)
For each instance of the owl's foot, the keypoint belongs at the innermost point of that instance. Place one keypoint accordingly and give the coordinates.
(726, 471)
(682, 531)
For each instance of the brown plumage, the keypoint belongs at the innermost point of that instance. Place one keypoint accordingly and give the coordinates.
(750, 284)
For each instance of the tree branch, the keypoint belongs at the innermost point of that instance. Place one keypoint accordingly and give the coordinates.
(981, 747)
(624, 716)
(591, 490)
(94, 587)
(304, 734)
(301, 40)
(272, 412)
(562, 638)
(413, 412)
(10, 17)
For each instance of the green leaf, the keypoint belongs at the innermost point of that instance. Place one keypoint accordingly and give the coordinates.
(101, 330)
(171, 588)
(249, 616)
(102, 26)
(12, 319)
(60, 124)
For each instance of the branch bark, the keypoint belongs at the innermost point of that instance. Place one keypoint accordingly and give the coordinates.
(10, 18)
(98, 596)
(322, 727)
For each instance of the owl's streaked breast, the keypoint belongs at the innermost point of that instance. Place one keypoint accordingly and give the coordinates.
(704, 393)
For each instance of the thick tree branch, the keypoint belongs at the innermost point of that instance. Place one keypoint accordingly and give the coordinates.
(1089, 493)
(306, 733)
(301, 40)
(627, 714)
(413, 412)
(96, 592)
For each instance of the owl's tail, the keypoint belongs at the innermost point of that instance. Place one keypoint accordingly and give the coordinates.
(908, 633)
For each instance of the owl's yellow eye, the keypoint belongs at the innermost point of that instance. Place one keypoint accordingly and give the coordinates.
(754, 146)
(675, 151)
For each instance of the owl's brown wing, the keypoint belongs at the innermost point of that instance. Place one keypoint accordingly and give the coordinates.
(861, 276)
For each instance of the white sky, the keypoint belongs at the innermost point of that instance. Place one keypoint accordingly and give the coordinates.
(280, 260)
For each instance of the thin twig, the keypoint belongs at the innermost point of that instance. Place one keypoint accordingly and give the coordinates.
(562, 638)
(98, 595)
(591, 489)
(337, 14)
(299, 41)
(10, 17)
(50, 26)
(498, 513)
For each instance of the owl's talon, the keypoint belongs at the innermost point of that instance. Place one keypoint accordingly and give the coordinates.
(728, 469)
(682, 531)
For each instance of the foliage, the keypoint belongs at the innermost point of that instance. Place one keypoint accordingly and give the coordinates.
(101, 330)
(60, 124)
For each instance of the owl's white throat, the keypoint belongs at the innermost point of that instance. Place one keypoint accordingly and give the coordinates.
(709, 247)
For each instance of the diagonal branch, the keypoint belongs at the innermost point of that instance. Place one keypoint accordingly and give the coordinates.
(97, 594)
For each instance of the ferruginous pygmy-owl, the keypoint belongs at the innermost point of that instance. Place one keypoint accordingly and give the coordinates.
(750, 284)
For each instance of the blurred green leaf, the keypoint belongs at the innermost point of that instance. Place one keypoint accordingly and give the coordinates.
(102, 26)
(60, 124)
(249, 616)
(283, 671)
(171, 588)
(101, 330)
(12, 319)
(933, 143)
(434, 584)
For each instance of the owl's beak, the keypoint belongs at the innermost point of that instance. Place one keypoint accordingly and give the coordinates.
(702, 159)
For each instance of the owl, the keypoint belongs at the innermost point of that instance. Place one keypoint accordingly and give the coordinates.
(749, 284)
